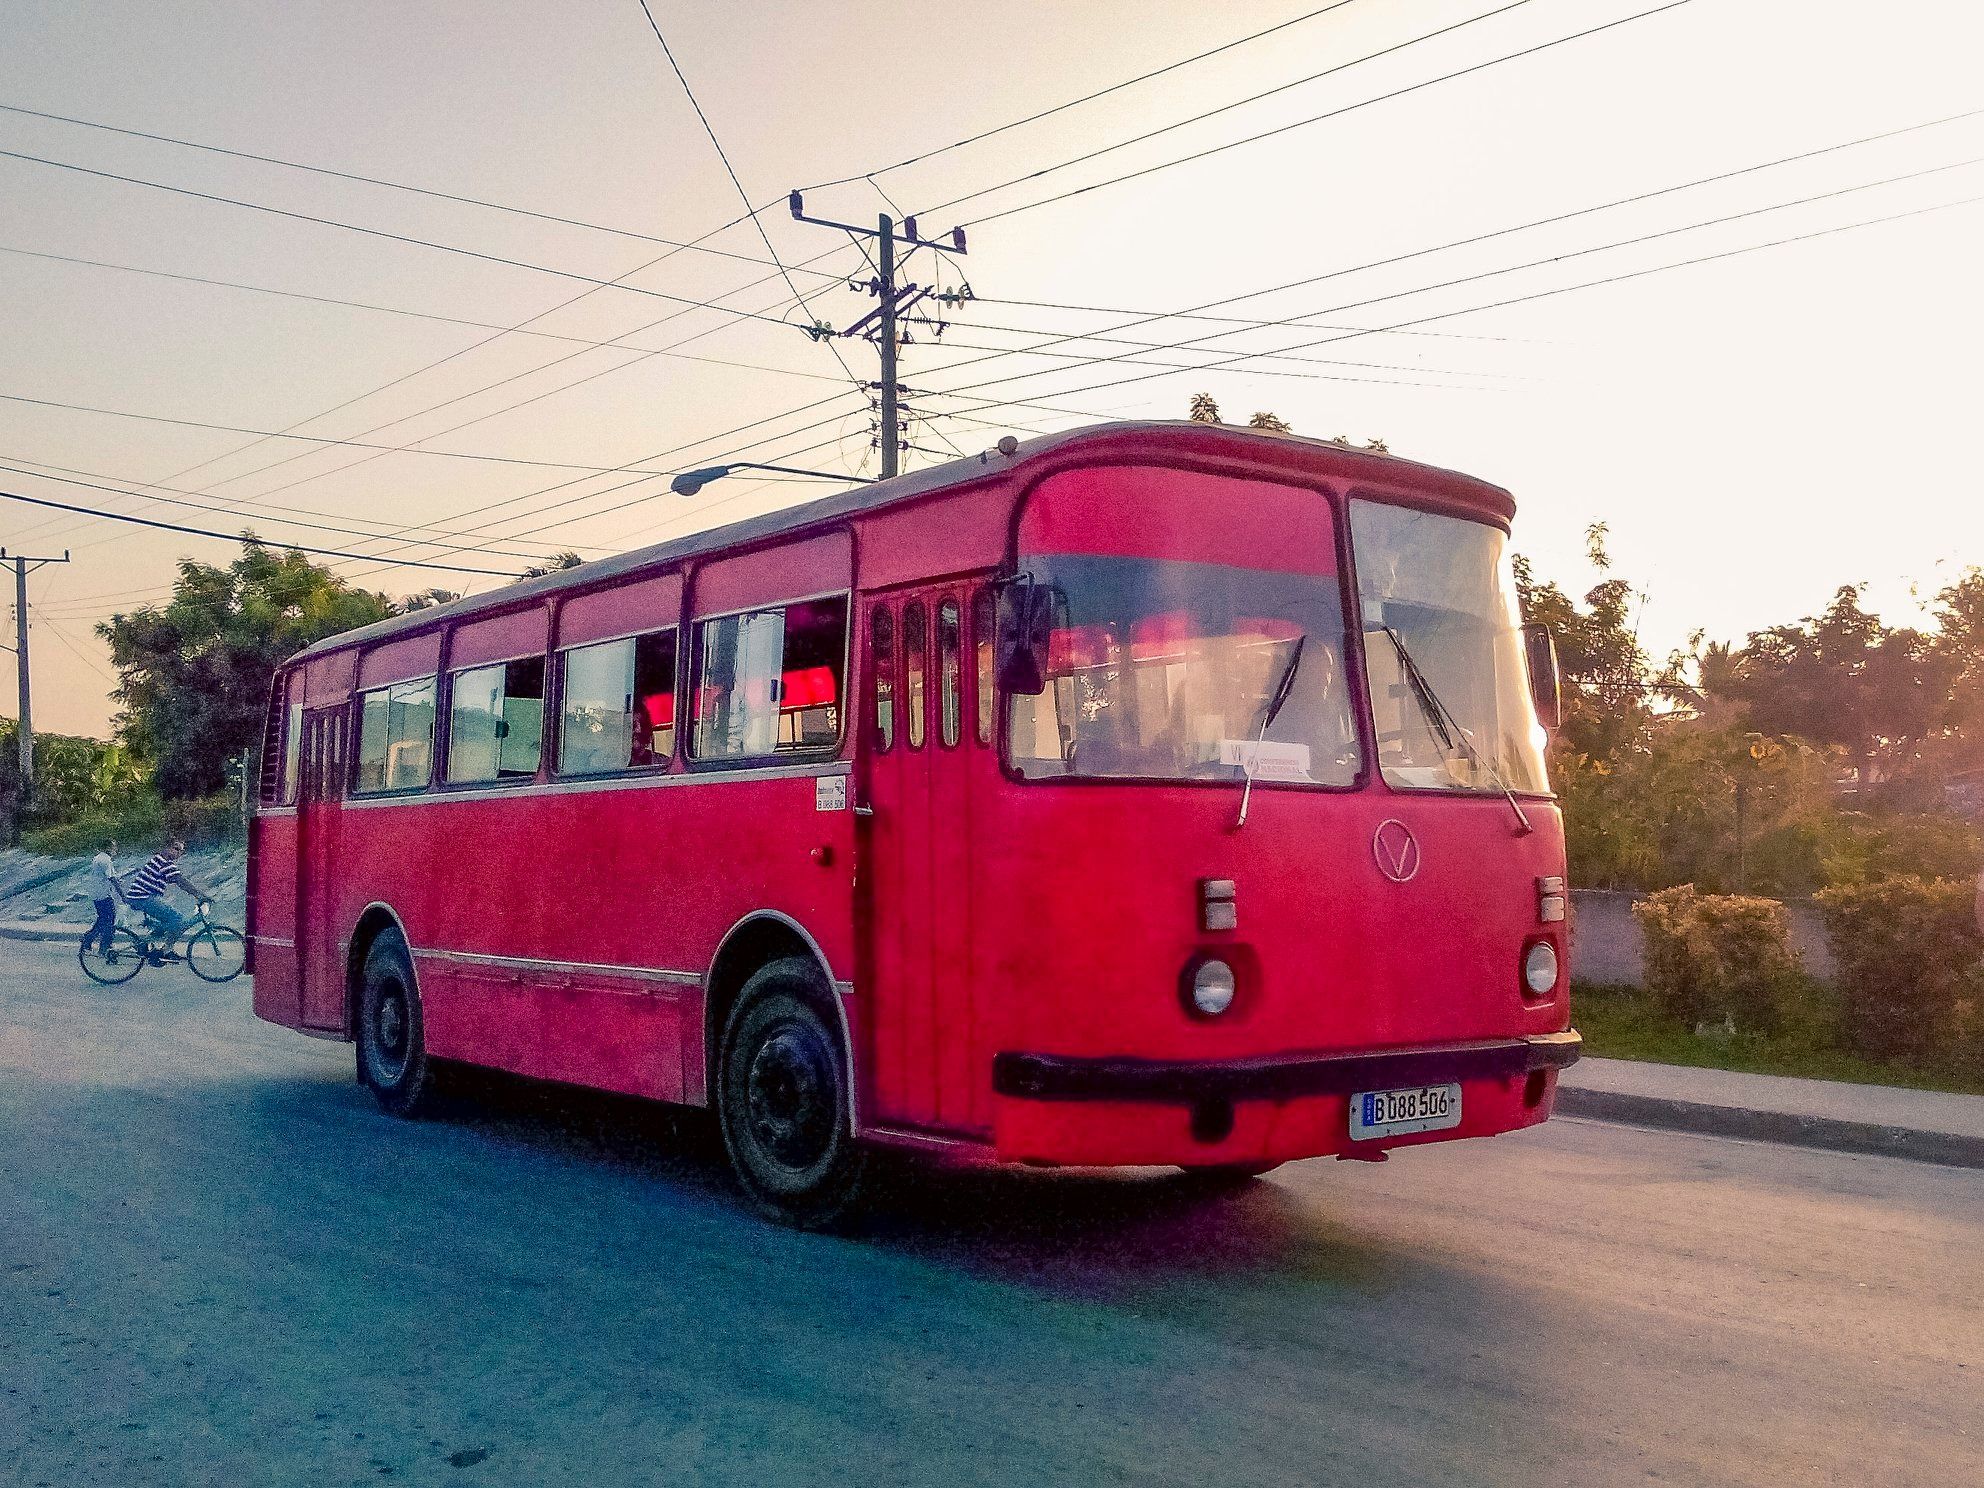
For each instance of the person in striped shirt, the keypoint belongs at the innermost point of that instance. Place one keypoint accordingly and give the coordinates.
(144, 891)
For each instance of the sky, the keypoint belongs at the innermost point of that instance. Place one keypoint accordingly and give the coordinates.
(1755, 430)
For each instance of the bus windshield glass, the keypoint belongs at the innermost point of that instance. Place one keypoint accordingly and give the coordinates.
(1443, 653)
(1160, 669)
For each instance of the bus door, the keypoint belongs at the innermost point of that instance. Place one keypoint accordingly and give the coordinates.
(923, 760)
(319, 965)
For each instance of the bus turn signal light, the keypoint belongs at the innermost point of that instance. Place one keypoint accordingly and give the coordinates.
(1550, 900)
(1217, 907)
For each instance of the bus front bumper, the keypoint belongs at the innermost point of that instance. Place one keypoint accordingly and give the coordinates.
(1197, 1113)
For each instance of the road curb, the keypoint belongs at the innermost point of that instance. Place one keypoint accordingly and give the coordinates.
(42, 932)
(1948, 1149)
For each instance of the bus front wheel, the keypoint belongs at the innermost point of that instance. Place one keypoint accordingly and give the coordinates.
(392, 1046)
(784, 1102)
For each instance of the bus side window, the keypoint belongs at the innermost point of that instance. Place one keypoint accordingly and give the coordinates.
(769, 681)
(915, 645)
(950, 703)
(984, 619)
(396, 737)
(882, 669)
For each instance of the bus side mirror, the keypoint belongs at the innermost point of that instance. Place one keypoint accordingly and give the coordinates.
(1026, 615)
(1545, 686)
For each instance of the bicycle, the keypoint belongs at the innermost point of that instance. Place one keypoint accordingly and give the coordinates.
(214, 953)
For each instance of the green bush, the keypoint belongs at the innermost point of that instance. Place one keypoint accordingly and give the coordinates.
(139, 822)
(1906, 951)
(1718, 958)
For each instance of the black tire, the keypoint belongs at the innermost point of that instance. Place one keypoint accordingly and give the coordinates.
(124, 959)
(392, 1043)
(783, 1100)
(216, 953)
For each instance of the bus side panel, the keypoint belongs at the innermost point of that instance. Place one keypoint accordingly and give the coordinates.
(278, 988)
(564, 934)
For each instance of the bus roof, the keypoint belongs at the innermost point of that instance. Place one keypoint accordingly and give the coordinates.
(1130, 441)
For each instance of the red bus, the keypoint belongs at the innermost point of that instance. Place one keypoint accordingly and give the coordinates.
(1147, 794)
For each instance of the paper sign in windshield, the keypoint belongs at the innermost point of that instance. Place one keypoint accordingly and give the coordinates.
(1267, 760)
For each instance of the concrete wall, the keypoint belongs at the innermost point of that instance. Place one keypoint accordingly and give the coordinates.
(1605, 938)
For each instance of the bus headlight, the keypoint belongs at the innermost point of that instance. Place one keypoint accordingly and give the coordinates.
(1212, 988)
(1539, 968)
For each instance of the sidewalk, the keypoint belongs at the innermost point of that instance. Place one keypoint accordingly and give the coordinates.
(41, 930)
(1926, 1125)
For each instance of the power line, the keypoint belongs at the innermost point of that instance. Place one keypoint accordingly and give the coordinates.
(481, 325)
(1238, 320)
(985, 134)
(656, 456)
(1129, 359)
(742, 195)
(377, 232)
(1304, 123)
(343, 175)
(63, 636)
(1544, 294)
(70, 478)
(320, 439)
(111, 516)
(1192, 312)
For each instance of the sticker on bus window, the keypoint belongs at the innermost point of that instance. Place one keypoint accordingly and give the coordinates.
(830, 793)
(1271, 759)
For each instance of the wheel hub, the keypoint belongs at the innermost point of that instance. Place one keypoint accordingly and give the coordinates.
(390, 1026)
(789, 1097)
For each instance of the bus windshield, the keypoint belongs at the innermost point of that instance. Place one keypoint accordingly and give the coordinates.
(1443, 652)
(1159, 669)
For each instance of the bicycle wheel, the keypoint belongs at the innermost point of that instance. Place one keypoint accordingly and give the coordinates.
(216, 953)
(117, 962)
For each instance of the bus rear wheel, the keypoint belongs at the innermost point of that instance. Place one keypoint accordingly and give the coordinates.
(392, 1046)
(784, 1103)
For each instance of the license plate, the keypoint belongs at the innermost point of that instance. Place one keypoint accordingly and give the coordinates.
(1395, 1113)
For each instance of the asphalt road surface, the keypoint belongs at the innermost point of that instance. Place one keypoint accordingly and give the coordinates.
(222, 1265)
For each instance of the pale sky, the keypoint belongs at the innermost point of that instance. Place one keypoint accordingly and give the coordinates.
(1756, 430)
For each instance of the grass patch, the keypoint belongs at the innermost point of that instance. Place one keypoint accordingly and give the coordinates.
(1624, 1023)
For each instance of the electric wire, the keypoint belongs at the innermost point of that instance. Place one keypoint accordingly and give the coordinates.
(233, 537)
(317, 439)
(376, 232)
(1543, 294)
(985, 134)
(343, 175)
(731, 171)
(1211, 150)
(1194, 312)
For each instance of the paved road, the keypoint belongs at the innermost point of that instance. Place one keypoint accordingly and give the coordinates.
(219, 1264)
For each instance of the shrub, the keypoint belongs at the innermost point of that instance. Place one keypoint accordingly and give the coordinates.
(1718, 958)
(139, 822)
(1907, 950)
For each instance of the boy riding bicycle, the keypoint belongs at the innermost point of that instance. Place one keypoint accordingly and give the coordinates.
(145, 889)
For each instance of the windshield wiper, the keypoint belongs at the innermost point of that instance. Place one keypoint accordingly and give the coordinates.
(1282, 688)
(1449, 728)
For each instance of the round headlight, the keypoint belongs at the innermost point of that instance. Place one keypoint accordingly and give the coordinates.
(1212, 987)
(1539, 967)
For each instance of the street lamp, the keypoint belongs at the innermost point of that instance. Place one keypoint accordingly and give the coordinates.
(689, 482)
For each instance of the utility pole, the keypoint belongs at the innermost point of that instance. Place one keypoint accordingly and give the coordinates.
(883, 324)
(23, 566)
(885, 257)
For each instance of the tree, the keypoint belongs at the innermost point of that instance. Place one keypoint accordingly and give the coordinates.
(1604, 670)
(1845, 679)
(557, 563)
(1204, 410)
(194, 673)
